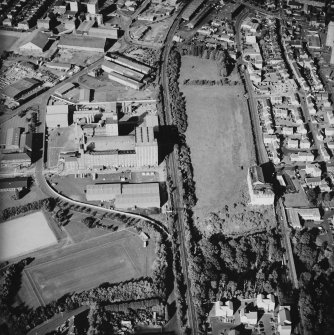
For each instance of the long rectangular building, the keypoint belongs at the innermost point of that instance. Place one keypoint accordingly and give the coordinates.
(130, 63)
(139, 195)
(84, 43)
(124, 80)
(191, 9)
(111, 67)
(102, 192)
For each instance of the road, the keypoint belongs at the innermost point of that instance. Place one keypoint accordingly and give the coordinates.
(262, 157)
(261, 153)
(280, 210)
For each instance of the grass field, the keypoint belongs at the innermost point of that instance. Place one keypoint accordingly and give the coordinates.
(25, 234)
(109, 258)
(219, 136)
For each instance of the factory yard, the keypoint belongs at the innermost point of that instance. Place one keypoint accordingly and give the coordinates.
(113, 257)
(24, 235)
(218, 135)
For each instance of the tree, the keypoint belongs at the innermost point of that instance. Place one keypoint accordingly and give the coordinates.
(89, 221)
(16, 195)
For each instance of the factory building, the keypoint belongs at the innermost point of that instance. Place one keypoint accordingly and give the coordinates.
(92, 7)
(20, 88)
(13, 136)
(14, 160)
(64, 89)
(330, 35)
(84, 95)
(126, 196)
(57, 116)
(58, 66)
(84, 43)
(260, 193)
(36, 43)
(131, 64)
(125, 81)
(146, 147)
(191, 9)
(12, 184)
(111, 67)
(104, 31)
(138, 195)
(102, 192)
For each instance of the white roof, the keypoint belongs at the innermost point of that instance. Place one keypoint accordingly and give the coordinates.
(57, 109)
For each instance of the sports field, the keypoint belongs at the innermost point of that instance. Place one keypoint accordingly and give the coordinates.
(25, 234)
(219, 136)
(109, 258)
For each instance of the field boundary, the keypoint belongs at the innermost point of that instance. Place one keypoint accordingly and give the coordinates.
(34, 285)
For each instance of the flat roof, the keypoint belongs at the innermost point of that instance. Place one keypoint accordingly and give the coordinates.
(82, 41)
(107, 143)
(57, 109)
(145, 188)
(125, 71)
(17, 182)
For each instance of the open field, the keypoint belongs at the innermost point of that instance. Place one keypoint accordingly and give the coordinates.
(25, 234)
(196, 68)
(111, 258)
(219, 136)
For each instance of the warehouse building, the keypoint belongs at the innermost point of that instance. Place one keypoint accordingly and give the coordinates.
(57, 116)
(138, 195)
(104, 31)
(125, 81)
(130, 63)
(111, 143)
(84, 95)
(58, 66)
(36, 43)
(20, 88)
(146, 147)
(102, 192)
(12, 184)
(84, 43)
(13, 136)
(111, 67)
(191, 9)
(13, 160)
(64, 89)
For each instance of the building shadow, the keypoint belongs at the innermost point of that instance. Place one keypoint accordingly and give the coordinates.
(167, 138)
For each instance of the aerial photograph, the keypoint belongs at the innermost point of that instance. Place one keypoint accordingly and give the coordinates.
(167, 167)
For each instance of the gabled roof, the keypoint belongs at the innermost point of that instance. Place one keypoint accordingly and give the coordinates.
(37, 38)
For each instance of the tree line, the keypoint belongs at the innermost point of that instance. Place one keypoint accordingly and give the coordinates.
(315, 264)
(21, 319)
(48, 204)
(177, 100)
